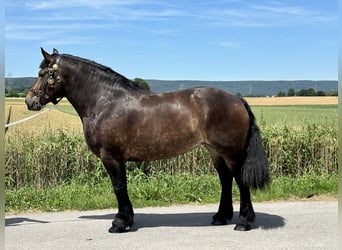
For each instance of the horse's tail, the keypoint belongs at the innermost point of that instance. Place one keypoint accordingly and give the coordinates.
(255, 173)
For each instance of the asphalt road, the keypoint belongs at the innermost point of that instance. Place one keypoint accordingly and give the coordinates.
(278, 225)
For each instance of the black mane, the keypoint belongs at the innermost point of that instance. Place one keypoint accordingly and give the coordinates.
(91, 63)
(120, 79)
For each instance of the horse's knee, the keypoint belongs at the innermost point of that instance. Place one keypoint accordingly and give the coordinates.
(119, 186)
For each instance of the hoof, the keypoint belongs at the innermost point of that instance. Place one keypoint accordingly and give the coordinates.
(219, 220)
(115, 229)
(242, 225)
(121, 224)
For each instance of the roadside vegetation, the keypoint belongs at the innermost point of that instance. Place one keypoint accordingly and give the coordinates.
(53, 169)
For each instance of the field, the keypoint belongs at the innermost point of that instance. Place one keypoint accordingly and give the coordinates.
(298, 100)
(48, 163)
(273, 110)
(55, 119)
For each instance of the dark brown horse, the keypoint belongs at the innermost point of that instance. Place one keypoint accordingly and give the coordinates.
(122, 122)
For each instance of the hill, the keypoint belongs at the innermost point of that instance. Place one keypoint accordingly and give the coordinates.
(18, 84)
(245, 88)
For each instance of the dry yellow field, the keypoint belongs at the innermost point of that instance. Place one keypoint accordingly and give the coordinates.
(297, 100)
(59, 120)
(53, 119)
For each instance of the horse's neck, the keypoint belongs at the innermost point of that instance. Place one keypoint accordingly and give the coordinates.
(86, 97)
(81, 93)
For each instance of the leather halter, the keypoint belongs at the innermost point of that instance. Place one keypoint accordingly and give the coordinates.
(50, 83)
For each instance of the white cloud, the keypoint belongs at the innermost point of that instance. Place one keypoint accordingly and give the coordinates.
(68, 40)
(61, 4)
(282, 9)
(268, 15)
(44, 18)
(106, 10)
(23, 36)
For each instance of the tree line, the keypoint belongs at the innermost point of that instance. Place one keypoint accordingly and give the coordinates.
(307, 92)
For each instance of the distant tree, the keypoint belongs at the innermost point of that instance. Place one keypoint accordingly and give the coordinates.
(332, 93)
(12, 93)
(238, 94)
(300, 92)
(281, 94)
(306, 92)
(22, 94)
(320, 93)
(311, 92)
(291, 92)
(142, 83)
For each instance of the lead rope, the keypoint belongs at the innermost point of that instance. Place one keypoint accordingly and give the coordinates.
(30, 117)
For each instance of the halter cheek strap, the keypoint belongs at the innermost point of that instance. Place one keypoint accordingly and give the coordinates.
(50, 83)
(41, 93)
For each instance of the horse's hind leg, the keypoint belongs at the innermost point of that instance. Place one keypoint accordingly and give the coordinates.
(226, 169)
(246, 208)
(225, 211)
(117, 172)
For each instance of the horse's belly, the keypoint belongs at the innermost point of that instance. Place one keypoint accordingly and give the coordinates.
(166, 146)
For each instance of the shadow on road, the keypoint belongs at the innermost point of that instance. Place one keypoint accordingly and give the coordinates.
(141, 220)
(147, 220)
(18, 220)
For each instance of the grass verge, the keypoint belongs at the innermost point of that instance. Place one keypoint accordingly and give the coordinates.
(160, 190)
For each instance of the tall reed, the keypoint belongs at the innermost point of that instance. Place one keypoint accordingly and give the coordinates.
(51, 158)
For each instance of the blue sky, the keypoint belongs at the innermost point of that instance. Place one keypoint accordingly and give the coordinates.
(178, 39)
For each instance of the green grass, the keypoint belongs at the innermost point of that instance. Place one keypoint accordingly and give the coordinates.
(68, 109)
(296, 115)
(284, 188)
(160, 190)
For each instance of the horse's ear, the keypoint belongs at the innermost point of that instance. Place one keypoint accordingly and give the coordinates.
(55, 51)
(49, 58)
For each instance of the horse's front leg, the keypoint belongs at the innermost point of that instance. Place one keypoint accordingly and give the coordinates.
(117, 172)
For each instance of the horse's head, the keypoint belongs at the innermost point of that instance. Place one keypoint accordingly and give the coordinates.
(48, 87)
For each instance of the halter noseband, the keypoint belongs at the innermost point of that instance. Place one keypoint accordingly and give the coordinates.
(50, 83)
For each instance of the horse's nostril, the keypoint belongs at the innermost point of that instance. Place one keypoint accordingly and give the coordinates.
(33, 104)
(36, 105)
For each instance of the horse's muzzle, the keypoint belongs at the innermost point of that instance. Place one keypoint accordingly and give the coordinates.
(33, 104)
